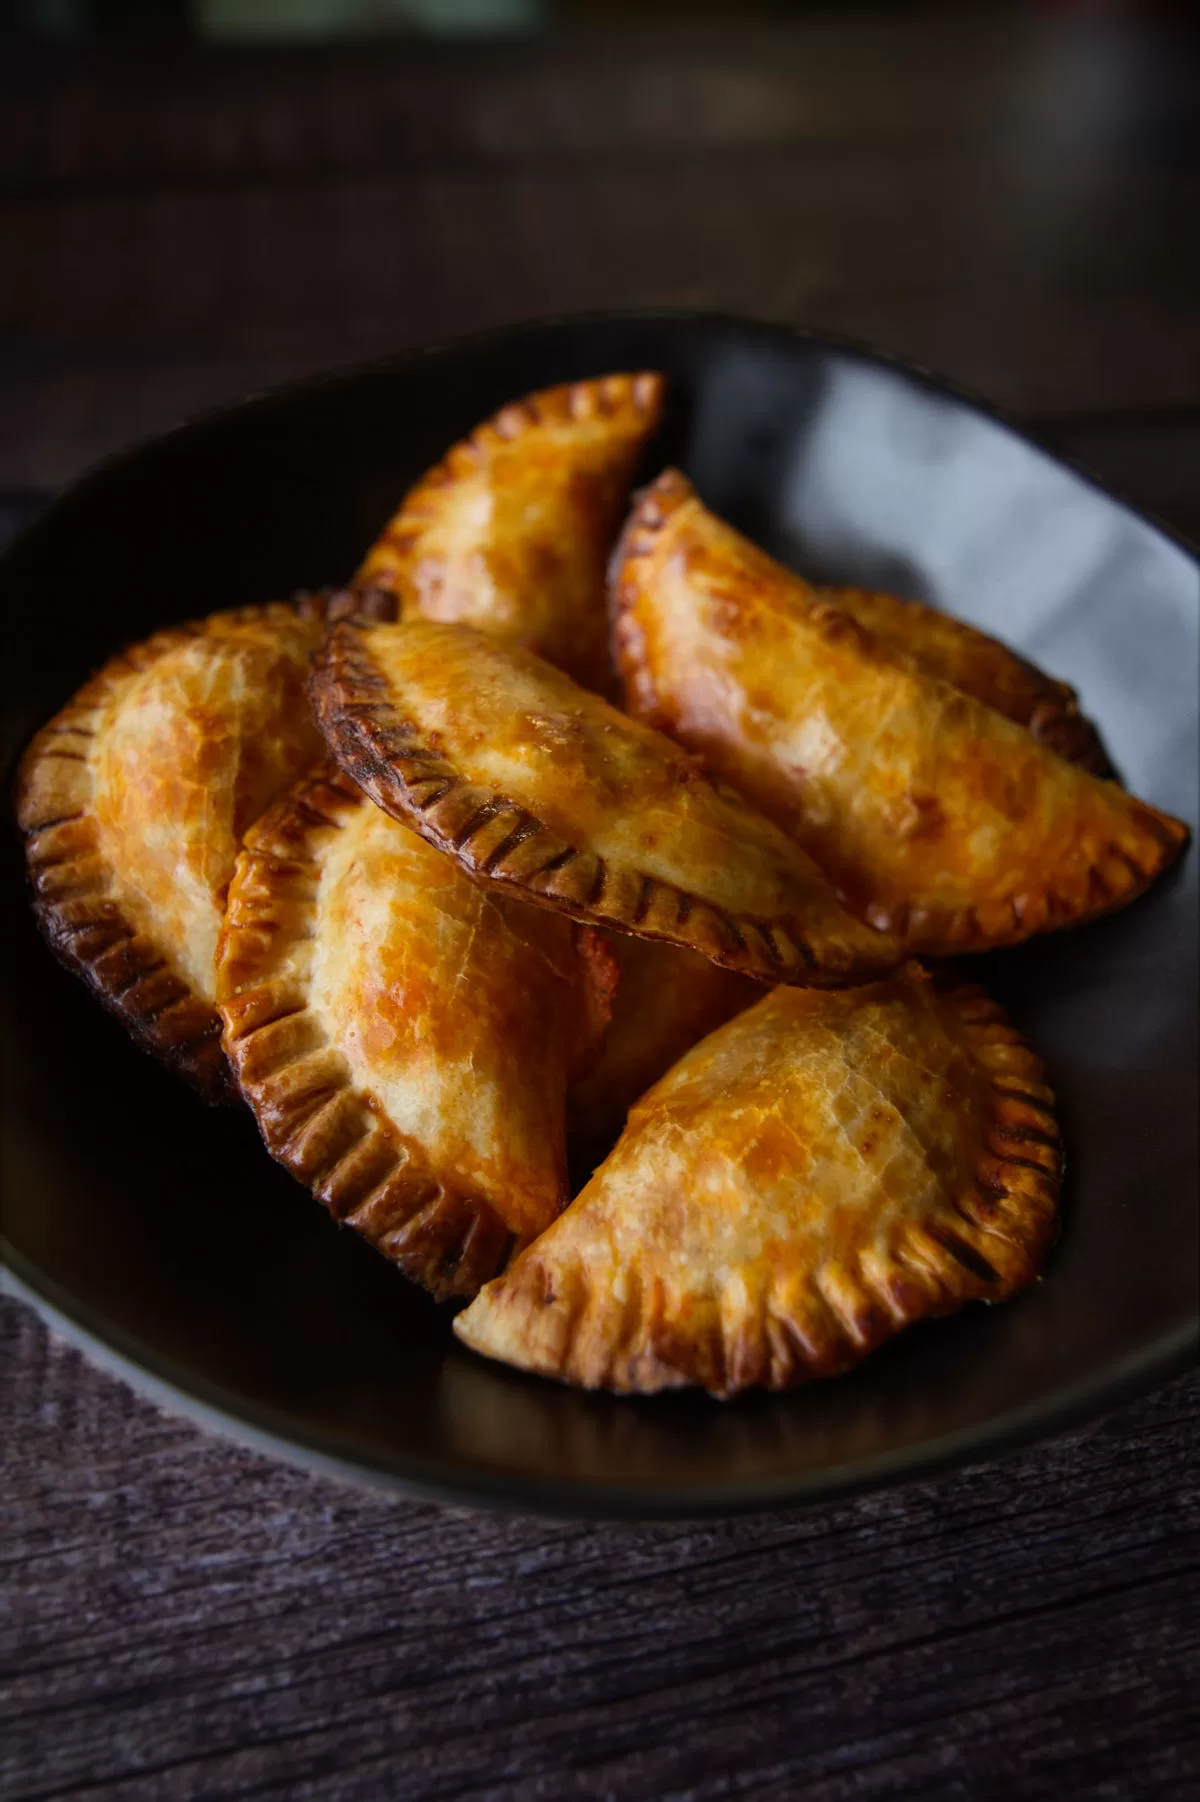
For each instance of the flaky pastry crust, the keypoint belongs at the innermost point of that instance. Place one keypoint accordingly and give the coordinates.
(512, 530)
(666, 998)
(811, 1178)
(133, 801)
(937, 818)
(403, 1038)
(981, 666)
(539, 787)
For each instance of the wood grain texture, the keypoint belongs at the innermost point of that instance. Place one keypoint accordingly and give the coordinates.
(1011, 202)
(1008, 202)
(138, 115)
(193, 1620)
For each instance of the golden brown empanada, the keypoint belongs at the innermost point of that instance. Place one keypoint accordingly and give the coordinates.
(512, 530)
(404, 1037)
(981, 666)
(817, 1174)
(665, 999)
(536, 785)
(134, 799)
(937, 818)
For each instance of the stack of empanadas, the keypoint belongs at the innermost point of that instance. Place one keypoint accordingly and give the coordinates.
(392, 865)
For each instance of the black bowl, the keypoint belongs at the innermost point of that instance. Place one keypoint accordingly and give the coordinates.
(164, 1237)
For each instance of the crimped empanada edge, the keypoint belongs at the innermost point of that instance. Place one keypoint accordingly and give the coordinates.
(652, 508)
(1119, 870)
(1062, 726)
(1003, 1227)
(630, 399)
(84, 925)
(71, 880)
(498, 840)
(1054, 717)
(312, 1118)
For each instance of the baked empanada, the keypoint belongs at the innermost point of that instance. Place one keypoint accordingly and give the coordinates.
(540, 787)
(134, 799)
(937, 818)
(817, 1174)
(511, 531)
(404, 1037)
(665, 999)
(983, 667)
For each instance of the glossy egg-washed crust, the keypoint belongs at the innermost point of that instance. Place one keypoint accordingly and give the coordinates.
(92, 921)
(417, 965)
(423, 715)
(511, 530)
(813, 1177)
(983, 667)
(938, 819)
(665, 999)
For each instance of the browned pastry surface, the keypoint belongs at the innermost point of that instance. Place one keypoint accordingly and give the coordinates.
(983, 667)
(404, 1037)
(937, 818)
(133, 801)
(666, 998)
(511, 531)
(540, 787)
(812, 1177)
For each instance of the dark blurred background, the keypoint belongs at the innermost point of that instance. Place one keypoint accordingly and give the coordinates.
(200, 198)
(332, 18)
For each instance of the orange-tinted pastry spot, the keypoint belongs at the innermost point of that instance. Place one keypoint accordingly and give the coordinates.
(539, 787)
(666, 998)
(440, 912)
(404, 1038)
(969, 660)
(511, 531)
(809, 1179)
(134, 800)
(200, 744)
(938, 818)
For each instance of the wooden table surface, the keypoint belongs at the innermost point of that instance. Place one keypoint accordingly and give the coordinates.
(1014, 203)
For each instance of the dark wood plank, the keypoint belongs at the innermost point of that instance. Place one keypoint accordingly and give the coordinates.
(196, 1621)
(121, 315)
(1011, 202)
(978, 197)
(130, 115)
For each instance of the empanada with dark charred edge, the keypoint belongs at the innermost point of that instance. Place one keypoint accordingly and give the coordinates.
(666, 998)
(512, 530)
(539, 787)
(133, 801)
(937, 818)
(811, 1178)
(981, 666)
(404, 1037)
